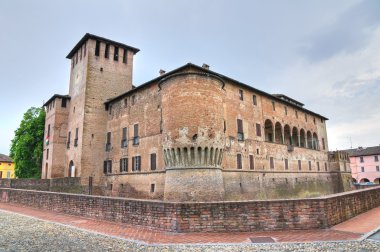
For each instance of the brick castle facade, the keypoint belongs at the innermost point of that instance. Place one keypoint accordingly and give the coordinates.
(190, 134)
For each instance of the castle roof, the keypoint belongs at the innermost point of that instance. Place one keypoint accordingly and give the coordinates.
(56, 96)
(105, 40)
(5, 158)
(362, 151)
(289, 101)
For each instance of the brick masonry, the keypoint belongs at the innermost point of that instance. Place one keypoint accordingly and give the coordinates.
(295, 214)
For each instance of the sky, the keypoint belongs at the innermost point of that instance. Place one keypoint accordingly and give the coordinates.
(325, 54)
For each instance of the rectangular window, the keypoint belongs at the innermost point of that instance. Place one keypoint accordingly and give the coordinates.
(325, 166)
(123, 164)
(97, 48)
(136, 163)
(309, 165)
(314, 120)
(241, 94)
(8, 175)
(305, 117)
(108, 143)
(84, 49)
(76, 138)
(68, 140)
(107, 51)
(125, 55)
(48, 132)
(362, 169)
(273, 106)
(240, 133)
(107, 166)
(63, 103)
(361, 160)
(258, 129)
(376, 158)
(271, 162)
(124, 142)
(318, 166)
(254, 99)
(251, 162)
(116, 54)
(136, 139)
(323, 143)
(377, 168)
(286, 164)
(299, 165)
(125, 102)
(152, 187)
(80, 58)
(153, 161)
(286, 110)
(224, 126)
(133, 99)
(47, 154)
(296, 114)
(238, 161)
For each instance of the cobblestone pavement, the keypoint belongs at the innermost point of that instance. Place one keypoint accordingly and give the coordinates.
(24, 233)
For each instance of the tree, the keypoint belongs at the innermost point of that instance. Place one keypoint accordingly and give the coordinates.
(27, 145)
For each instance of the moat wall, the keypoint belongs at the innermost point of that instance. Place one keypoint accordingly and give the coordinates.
(296, 214)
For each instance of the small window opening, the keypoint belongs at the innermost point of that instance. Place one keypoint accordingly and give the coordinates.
(97, 48)
(116, 54)
(107, 51)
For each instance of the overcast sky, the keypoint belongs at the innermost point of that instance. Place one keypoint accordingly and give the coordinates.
(326, 54)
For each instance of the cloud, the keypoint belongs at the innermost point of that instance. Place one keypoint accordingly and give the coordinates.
(349, 32)
(344, 87)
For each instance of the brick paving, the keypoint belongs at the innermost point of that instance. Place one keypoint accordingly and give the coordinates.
(349, 230)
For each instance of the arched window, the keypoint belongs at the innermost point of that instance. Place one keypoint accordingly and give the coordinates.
(71, 169)
(315, 141)
(364, 180)
(287, 137)
(302, 138)
(268, 130)
(278, 133)
(309, 140)
(295, 141)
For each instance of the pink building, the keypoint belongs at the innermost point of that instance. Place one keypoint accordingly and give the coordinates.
(365, 164)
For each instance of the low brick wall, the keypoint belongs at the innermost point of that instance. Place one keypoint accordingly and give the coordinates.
(315, 213)
(69, 185)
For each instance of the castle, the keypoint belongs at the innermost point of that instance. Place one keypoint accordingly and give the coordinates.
(190, 134)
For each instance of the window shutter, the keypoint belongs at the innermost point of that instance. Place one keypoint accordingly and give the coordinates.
(258, 129)
(240, 126)
(271, 163)
(124, 133)
(105, 167)
(251, 162)
(133, 163)
(238, 159)
(136, 130)
(153, 161)
(121, 164)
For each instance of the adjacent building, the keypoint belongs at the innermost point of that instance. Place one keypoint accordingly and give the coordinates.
(365, 164)
(7, 167)
(190, 134)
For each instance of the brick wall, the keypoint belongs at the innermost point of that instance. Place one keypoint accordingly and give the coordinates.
(70, 185)
(312, 213)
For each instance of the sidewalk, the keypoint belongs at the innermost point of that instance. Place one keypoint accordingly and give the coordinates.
(352, 229)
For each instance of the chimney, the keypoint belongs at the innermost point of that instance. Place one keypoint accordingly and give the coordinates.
(162, 72)
(205, 66)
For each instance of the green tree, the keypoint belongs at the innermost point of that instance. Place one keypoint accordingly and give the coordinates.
(27, 145)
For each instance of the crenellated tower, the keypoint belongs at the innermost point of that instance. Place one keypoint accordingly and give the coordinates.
(193, 136)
